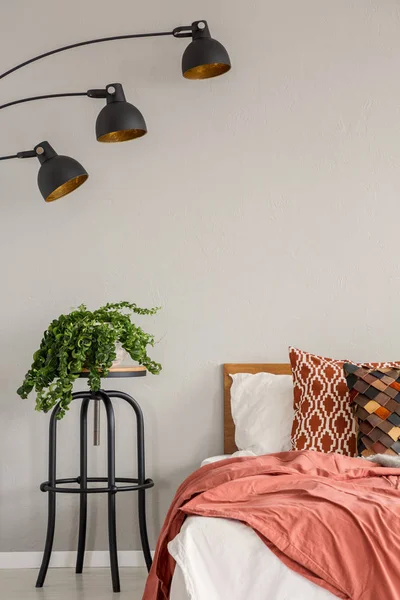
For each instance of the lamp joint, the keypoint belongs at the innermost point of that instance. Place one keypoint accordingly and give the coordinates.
(185, 31)
(44, 152)
(96, 93)
(115, 93)
(26, 154)
(198, 29)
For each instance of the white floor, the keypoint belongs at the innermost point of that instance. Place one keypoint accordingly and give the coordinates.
(63, 584)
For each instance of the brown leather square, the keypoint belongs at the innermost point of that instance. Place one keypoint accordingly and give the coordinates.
(383, 413)
(379, 448)
(391, 405)
(366, 428)
(361, 386)
(391, 392)
(376, 434)
(374, 420)
(361, 413)
(363, 400)
(387, 380)
(378, 384)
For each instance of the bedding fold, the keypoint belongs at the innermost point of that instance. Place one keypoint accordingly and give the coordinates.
(331, 518)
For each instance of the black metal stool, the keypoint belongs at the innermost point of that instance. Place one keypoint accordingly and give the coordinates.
(141, 484)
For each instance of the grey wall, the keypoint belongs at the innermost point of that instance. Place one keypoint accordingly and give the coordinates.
(262, 209)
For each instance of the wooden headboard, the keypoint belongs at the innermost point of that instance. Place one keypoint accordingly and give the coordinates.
(231, 369)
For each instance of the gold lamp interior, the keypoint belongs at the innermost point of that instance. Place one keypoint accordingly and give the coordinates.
(66, 188)
(207, 71)
(121, 136)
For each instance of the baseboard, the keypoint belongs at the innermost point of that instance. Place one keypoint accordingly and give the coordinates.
(97, 558)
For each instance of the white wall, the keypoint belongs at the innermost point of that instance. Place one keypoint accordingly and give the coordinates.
(262, 209)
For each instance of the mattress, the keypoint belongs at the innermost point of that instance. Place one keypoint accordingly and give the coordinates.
(220, 559)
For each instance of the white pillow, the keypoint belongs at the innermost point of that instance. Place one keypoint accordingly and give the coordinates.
(239, 453)
(262, 410)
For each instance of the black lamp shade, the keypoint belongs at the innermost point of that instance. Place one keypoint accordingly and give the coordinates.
(205, 58)
(58, 175)
(120, 122)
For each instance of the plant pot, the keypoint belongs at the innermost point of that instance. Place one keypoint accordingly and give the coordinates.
(121, 354)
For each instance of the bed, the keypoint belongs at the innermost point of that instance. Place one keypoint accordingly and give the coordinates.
(221, 559)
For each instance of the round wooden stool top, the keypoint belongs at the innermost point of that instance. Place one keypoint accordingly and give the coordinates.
(131, 371)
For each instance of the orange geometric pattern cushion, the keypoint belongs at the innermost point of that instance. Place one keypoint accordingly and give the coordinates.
(323, 418)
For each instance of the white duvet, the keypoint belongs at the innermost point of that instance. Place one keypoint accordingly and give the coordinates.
(220, 559)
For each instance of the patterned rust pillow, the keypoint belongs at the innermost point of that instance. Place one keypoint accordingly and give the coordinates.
(323, 418)
(375, 400)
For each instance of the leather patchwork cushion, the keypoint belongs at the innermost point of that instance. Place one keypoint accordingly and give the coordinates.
(375, 400)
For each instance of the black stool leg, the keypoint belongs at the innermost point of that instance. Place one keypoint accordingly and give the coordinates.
(112, 539)
(51, 519)
(51, 522)
(83, 485)
(112, 522)
(141, 472)
(143, 529)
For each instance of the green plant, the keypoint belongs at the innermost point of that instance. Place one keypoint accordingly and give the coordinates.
(85, 339)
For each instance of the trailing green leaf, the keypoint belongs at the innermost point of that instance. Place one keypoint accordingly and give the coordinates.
(85, 339)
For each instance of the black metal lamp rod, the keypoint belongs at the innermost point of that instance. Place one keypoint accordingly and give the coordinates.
(9, 156)
(178, 32)
(89, 93)
(94, 93)
(42, 98)
(24, 154)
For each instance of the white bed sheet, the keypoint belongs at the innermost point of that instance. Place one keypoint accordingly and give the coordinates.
(221, 559)
(178, 587)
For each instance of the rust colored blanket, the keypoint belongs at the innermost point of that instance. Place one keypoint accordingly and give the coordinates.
(333, 519)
